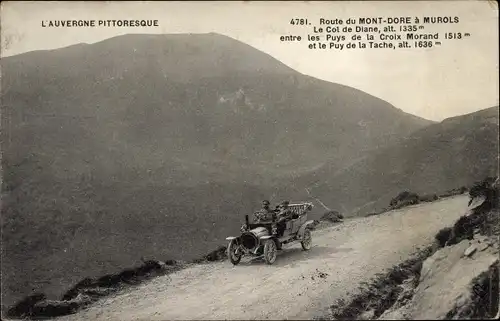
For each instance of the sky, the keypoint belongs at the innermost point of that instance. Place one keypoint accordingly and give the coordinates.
(459, 77)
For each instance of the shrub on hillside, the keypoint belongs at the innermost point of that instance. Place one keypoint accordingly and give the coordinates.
(480, 216)
(50, 309)
(454, 191)
(84, 292)
(131, 276)
(24, 308)
(378, 212)
(219, 254)
(487, 188)
(37, 306)
(332, 216)
(443, 236)
(461, 230)
(403, 199)
(428, 198)
(80, 286)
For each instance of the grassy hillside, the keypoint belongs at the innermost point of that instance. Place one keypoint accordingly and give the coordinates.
(189, 103)
(456, 152)
(157, 145)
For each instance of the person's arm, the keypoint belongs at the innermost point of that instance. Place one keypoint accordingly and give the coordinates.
(256, 216)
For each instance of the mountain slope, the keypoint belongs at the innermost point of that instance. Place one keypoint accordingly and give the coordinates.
(141, 94)
(158, 145)
(456, 152)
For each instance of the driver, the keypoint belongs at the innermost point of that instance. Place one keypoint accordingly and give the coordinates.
(265, 213)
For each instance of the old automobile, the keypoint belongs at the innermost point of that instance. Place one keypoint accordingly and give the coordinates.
(262, 238)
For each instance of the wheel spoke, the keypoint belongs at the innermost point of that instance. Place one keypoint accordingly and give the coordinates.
(270, 251)
(306, 240)
(234, 253)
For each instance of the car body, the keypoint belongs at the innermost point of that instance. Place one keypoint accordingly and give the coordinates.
(261, 238)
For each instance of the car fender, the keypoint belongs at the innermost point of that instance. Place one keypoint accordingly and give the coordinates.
(230, 238)
(266, 237)
(303, 228)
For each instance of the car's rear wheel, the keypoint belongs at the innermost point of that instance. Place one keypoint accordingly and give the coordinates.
(233, 252)
(270, 251)
(306, 240)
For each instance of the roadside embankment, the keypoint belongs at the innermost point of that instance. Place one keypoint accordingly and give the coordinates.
(457, 277)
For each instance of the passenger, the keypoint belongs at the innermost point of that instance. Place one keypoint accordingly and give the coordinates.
(284, 215)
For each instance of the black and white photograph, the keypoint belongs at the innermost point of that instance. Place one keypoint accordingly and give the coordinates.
(249, 160)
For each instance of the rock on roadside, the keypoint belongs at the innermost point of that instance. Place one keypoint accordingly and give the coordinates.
(446, 280)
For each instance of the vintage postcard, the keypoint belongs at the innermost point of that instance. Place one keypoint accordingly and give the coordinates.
(205, 160)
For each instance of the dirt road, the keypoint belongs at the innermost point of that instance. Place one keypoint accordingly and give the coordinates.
(300, 285)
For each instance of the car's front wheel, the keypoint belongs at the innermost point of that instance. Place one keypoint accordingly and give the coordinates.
(233, 252)
(270, 251)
